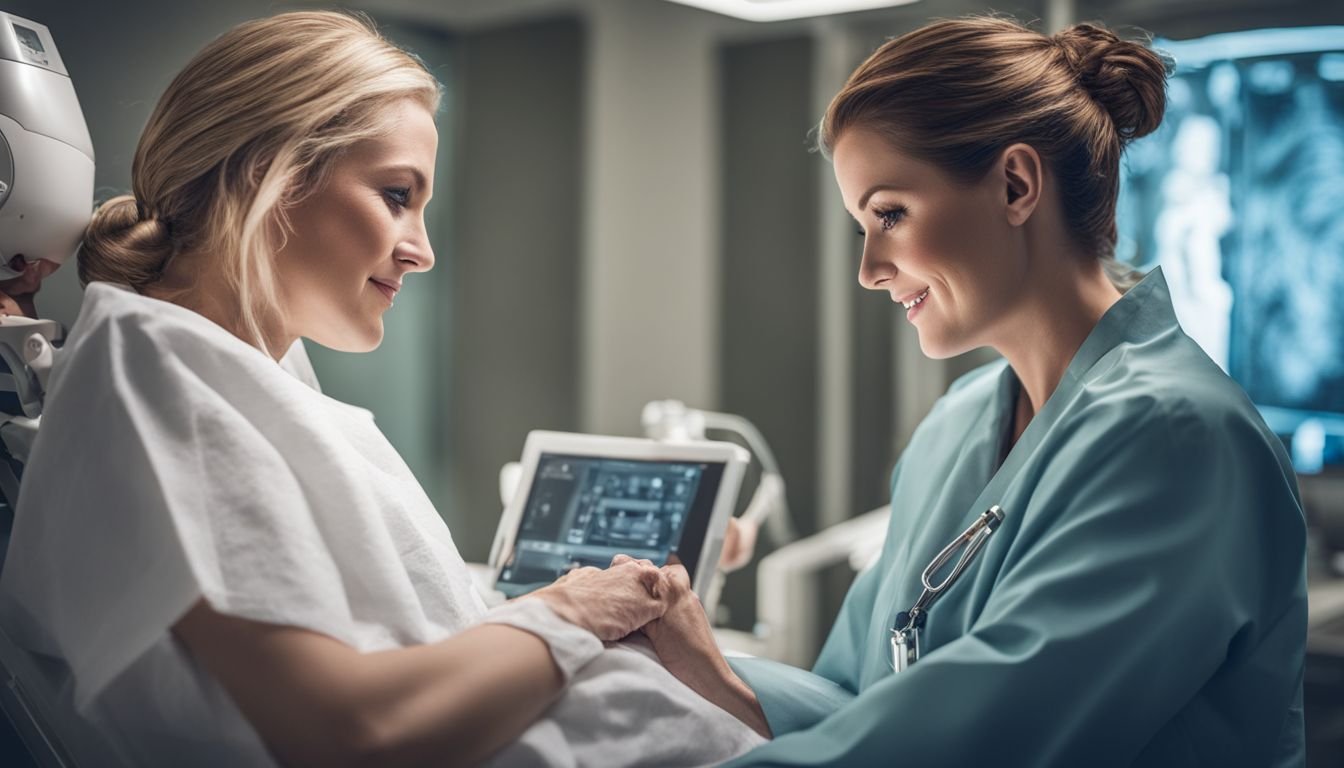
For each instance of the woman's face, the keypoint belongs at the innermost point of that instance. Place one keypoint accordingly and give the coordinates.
(353, 241)
(938, 247)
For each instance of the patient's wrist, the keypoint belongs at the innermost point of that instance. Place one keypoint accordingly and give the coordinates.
(748, 707)
(560, 604)
(717, 683)
(572, 646)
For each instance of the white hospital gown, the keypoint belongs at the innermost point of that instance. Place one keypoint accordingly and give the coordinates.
(175, 462)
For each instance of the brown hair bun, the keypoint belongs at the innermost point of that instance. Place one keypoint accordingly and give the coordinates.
(1127, 78)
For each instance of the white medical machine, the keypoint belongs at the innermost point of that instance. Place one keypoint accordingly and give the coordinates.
(46, 155)
(769, 506)
(582, 499)
(46, 199)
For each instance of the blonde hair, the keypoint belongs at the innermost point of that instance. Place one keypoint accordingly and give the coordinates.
(957, 92)
(247, 129)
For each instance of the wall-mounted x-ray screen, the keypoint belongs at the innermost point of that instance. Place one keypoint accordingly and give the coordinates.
(1240, 197)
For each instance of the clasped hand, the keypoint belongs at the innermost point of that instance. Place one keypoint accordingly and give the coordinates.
(636, 595)
(629, 596)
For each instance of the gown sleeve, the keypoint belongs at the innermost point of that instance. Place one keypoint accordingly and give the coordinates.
(794, 699)
(1160, 547)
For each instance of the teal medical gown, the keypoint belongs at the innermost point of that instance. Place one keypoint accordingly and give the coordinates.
(1142, 603)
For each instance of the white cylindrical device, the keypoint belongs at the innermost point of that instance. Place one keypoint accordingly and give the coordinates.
(46, 155)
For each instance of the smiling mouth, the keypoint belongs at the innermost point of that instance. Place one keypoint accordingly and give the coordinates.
(388, 291)
(916, 301)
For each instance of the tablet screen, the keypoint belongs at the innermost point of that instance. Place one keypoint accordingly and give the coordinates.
(585, 510)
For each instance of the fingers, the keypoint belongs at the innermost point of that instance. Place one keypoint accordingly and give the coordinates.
(627, 595)
(645, 572)
(580, 572)
(623, 559)
(653, 580)
(676, 576)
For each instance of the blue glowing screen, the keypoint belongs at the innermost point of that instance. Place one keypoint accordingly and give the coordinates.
(1240, 197)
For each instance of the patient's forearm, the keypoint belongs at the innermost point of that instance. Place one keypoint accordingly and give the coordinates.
(317, 701)
(740, 701)
(685, 644)
(466, 697)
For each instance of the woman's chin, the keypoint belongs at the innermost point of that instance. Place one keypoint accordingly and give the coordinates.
(940, 348)
(353, 340)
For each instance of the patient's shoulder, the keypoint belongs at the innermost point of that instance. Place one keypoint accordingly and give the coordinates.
(116, 310)
(124, 341)
(117, 325)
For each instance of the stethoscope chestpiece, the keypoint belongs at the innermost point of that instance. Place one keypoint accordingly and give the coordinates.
(905, 629)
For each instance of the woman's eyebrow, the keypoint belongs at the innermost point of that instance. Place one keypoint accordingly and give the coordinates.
(419, 176)
(863, 200)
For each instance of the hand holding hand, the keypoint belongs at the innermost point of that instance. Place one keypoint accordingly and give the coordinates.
(685, 644)
(681, 635)
(610, 603)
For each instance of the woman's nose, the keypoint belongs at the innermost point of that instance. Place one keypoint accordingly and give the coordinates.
(417, 254)
(874, 271)
(419, 258)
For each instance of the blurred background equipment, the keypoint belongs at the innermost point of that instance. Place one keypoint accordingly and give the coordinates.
(672, 420)
(1237, 197)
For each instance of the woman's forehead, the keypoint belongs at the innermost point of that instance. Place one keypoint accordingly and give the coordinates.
(866, 162)
(411, 138)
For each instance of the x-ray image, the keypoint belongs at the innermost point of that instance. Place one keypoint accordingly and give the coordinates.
(1291, 322)
(1240, 197)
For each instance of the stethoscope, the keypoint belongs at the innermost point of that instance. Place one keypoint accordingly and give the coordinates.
(905, 629)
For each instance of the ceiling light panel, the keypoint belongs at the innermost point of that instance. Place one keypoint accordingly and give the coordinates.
(780, 10)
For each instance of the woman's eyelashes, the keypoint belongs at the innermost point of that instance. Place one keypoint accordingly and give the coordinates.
(890, 217)
(886, 218)
(397, 197)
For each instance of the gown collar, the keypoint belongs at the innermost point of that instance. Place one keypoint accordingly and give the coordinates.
(1142, 313)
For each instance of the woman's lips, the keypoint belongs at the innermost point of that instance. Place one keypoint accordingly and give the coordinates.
(388, 290)
(915, 302)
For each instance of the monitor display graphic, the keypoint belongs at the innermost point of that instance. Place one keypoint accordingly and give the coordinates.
(583, 510)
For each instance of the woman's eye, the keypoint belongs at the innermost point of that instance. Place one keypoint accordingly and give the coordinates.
(890, 217)
(398, 197)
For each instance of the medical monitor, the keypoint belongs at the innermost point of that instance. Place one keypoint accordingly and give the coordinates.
(583, 499)
(1237, 196)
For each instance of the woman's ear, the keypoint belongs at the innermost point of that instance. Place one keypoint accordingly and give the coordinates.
(1022, 177)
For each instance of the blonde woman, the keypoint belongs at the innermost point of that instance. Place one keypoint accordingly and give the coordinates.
(239, 570)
